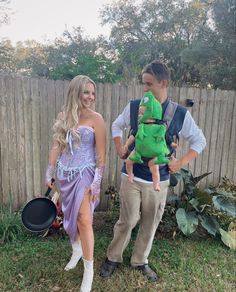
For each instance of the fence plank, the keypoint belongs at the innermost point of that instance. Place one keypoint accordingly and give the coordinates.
(229, 101)
(28, 137)
(107, 117)
(4, 159)
(44, 138)
(194, 110)
(51, 109)
(36, 136)
(202, 124)
(213, 138)
(198, 113)
(231, 163)
(13, 153)
(208, 132)
(20, 140)
(113, 153)
(99, 99)
(59, 95)
(221, 95)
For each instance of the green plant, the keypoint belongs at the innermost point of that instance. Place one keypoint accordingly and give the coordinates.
(202, 208)
(10, 227)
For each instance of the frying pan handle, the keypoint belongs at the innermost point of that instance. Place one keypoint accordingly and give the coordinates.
(49, 189)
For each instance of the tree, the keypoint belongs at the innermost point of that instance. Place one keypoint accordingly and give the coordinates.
(70, 55)
(4, 11)
(195, 38)
(98, 68)
(154, 29)
(31, 59)
(214, 54)
(7, 57)
(75, 54)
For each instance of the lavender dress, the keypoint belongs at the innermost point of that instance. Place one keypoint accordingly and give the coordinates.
(75, 172)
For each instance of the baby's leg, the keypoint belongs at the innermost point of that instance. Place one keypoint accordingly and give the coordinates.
(154, 168)
(129, 167)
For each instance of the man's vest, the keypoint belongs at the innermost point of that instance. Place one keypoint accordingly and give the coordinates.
(173, 115)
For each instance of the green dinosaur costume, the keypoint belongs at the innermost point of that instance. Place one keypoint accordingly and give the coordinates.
(150, 138)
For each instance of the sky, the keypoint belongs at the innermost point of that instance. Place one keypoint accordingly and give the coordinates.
(44, 20)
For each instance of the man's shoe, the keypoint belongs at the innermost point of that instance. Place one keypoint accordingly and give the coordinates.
(147, 272)
(108, 267)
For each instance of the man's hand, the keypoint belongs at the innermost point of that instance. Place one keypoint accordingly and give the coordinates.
(174, 165)
(122, 150)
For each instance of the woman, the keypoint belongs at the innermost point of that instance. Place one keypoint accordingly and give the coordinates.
(78, 155)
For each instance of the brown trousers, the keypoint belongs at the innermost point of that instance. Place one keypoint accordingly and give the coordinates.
(138, 203)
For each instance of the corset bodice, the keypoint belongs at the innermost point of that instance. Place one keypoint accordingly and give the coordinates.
(75, 158)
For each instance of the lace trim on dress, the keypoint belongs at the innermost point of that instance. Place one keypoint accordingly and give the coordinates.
(70, 172)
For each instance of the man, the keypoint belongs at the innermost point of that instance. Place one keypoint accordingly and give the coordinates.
(138, 201)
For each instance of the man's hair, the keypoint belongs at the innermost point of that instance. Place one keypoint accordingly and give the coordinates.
(157, 69)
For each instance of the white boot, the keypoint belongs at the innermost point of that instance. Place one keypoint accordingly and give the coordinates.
(76, 255)
(87, 276)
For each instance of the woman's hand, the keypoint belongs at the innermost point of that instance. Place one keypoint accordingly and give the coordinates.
(95, 187)
(50, 175)
(92, 197)
(51, 184)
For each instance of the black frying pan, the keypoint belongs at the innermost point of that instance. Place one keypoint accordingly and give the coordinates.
(39, 213)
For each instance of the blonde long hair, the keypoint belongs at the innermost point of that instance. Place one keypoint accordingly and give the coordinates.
(69, 119)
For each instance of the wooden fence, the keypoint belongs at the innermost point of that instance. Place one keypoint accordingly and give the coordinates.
(28, 108)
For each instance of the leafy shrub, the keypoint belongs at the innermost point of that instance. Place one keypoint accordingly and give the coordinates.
(204, 208)
(10, 227)
(226, 185)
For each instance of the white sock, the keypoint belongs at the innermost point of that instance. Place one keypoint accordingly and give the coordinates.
(76, 255)
(87, 276)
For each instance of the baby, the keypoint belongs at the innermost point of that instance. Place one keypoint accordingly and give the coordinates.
(150, 143)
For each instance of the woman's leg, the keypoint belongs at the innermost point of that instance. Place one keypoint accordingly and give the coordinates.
(85, 228)
(87, 240)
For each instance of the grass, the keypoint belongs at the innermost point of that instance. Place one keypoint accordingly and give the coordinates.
(32, 263)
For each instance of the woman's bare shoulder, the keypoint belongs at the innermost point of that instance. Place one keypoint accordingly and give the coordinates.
(97, 116)
(97, 120)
